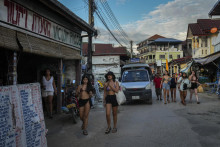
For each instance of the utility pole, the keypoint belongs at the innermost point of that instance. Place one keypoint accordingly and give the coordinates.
(91, 22)
(131, 42)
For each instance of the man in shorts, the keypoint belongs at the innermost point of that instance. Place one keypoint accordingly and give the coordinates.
(157, 83)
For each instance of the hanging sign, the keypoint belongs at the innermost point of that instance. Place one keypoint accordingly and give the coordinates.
(19, 16)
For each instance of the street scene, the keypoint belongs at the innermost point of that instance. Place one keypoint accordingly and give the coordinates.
(140, 124)
(104, 73)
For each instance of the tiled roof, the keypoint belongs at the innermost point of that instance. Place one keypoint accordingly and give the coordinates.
(203, 26)
(105, 49)
(152, 38)
(156, 36)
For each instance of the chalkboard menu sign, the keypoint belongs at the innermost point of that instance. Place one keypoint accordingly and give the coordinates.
(21, 116)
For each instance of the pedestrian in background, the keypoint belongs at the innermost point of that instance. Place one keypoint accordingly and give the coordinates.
(166, 87)
(84, 94)
(184, 82)
(194, 85)
(173, 83)
(157, 83)
(49, 88)
(109, 100)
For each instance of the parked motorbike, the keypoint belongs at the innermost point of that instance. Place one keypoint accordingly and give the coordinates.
(72, 104)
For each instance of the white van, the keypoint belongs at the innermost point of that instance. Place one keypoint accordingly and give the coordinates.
(136, 82)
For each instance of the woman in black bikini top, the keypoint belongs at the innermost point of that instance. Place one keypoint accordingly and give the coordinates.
(194, 85)
(110, 88)
(84, 92)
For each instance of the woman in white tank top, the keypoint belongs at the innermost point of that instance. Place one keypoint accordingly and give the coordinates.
(48, 89)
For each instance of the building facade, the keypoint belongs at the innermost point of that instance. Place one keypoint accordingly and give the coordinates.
(106, 58)
(200, 38)
(159, 50)
(35, 35)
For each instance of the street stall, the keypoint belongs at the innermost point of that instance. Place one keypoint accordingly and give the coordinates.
(209, 71)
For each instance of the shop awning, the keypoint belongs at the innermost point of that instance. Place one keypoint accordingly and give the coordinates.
(187, 67)
(207, 59)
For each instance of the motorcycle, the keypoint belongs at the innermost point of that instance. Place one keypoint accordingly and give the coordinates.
(72, 104)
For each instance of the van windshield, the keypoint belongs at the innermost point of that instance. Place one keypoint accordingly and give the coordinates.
(135, 76)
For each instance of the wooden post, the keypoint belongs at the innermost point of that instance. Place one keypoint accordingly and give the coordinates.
(12, 73)
(78, 72)
(59, 85)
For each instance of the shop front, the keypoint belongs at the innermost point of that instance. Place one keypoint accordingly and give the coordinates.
(32, 40)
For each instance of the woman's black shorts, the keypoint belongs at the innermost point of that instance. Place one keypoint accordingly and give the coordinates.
(111, 99)
(194, 86)
(82, 102)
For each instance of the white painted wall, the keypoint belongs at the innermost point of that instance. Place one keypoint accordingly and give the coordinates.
(102, 64)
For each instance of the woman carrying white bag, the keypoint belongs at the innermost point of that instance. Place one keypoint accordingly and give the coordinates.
(111, 87)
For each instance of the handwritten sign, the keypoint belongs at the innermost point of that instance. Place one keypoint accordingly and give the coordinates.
(19, 16)
(21, 116)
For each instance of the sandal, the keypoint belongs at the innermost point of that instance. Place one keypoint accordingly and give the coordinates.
(85, 132)
(82, 127)
(107, 131)
(114, 130)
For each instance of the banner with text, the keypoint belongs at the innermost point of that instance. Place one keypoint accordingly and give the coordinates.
(19, 16)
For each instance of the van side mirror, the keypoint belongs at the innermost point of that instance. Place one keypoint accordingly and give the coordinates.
(119, 79)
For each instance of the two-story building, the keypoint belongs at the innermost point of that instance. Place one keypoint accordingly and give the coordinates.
(201, 39)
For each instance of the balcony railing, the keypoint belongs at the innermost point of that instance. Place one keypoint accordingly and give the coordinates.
(148, 61)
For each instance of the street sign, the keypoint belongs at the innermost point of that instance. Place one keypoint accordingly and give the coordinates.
(135, 59)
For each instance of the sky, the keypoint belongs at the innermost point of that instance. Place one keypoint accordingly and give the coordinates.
(141, 19)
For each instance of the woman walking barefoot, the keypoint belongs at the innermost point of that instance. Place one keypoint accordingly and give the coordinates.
(194, 85)
(84, 92)
(110, 88)
(166, 87)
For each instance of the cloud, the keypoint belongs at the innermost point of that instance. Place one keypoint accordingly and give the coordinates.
(169, 20)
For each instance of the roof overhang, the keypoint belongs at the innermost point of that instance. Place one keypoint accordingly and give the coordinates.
(69, 15)
(207, 59)
(215, 10)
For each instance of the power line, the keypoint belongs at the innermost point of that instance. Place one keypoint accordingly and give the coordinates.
(115, 19)
(106, 25)
(108, 20)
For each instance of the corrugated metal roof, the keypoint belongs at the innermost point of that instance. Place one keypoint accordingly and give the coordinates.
(170, 40)
(208, 59)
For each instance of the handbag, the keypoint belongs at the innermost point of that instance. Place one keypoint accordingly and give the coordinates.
(120, 96)
(189, 85)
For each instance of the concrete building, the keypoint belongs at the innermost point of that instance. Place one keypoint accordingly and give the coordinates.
(106, 58)
(35, 35)
(201, 39)
(160, 49)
